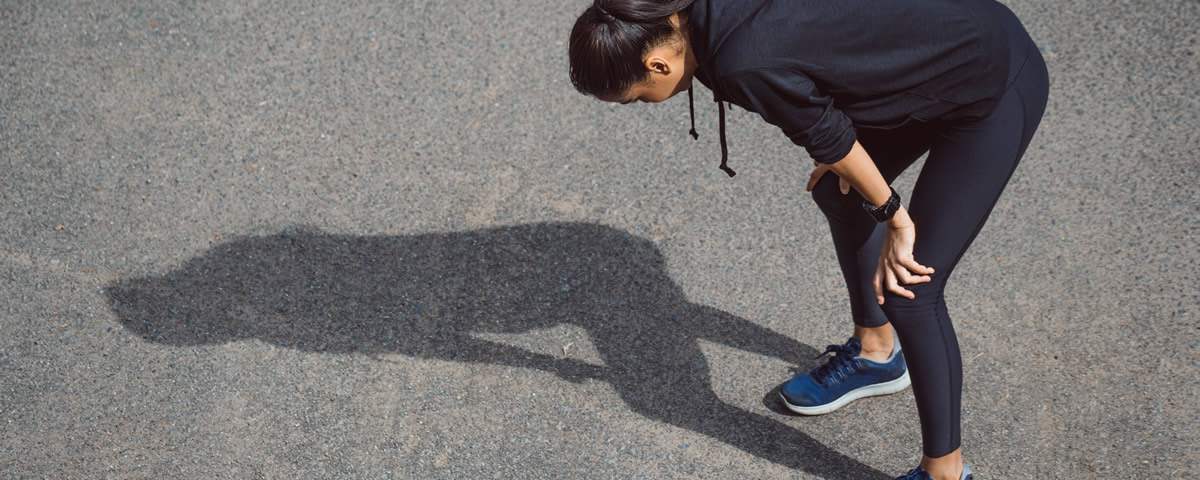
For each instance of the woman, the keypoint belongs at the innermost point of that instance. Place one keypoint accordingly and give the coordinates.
(867, 88)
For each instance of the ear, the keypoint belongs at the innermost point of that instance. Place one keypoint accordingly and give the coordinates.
(656, 62)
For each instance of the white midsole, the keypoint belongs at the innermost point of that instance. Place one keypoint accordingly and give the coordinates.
(884, 388)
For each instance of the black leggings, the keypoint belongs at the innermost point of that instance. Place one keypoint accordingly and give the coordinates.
(968, 166)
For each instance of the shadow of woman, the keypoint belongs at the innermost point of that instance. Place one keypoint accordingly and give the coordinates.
(426, 295)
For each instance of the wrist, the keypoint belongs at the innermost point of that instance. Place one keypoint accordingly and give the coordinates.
(900, 220)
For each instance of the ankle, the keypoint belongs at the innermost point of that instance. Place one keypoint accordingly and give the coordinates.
(945, 474)
(877, 342)
(949, 467)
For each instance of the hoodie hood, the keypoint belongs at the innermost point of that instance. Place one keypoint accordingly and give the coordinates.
(709, 26)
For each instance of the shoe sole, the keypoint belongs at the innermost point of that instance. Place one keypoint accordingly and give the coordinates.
(885, 388)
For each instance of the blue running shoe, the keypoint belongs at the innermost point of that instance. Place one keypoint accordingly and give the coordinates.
(920, 474)
(844, 378)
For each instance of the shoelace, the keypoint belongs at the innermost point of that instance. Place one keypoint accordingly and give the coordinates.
(841, 364)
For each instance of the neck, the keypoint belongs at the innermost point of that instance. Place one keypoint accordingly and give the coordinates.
(680, 22)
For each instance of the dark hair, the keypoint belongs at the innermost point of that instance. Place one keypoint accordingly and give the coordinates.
(611, 37)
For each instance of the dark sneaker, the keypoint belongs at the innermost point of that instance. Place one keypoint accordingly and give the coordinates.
(844, 378)
(920, 474)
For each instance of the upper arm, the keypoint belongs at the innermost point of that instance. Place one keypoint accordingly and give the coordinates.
(792, 102)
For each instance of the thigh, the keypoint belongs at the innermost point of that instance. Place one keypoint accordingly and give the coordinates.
(968, 167)
(894, 150)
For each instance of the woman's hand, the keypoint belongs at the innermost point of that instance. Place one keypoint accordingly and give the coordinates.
(820, 171)
(896, 264)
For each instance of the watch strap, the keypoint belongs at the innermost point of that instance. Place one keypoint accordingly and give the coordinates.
(886, 211)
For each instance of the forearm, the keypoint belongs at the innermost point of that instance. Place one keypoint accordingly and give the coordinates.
(861, 173)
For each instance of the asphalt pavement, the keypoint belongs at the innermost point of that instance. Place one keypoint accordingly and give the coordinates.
(266, 239)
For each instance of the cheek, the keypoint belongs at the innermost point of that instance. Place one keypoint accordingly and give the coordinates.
(668, 87)
(663, 91)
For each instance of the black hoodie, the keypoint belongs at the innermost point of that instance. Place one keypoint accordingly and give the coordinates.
(817, 68)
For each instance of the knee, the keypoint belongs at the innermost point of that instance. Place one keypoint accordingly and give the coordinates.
(900, 310)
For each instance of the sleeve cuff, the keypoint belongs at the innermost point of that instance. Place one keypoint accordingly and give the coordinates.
(835, 149)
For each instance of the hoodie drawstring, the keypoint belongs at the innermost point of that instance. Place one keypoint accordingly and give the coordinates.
(724, 148)
(692, 114)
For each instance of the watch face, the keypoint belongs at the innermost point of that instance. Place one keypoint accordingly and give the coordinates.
(892, 205)
(886, 211)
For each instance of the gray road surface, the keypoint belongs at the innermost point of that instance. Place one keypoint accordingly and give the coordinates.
(265, 239)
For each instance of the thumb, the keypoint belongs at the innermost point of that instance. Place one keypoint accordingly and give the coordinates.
(844, 185)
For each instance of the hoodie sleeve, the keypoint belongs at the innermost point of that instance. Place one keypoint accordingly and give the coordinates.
(790, 101)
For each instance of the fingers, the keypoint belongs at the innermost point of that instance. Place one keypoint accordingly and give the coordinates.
(885, 278)
(894, 286)
(904, 269)
(897, 267)
(878, 282)
(816, 175)
(904, 278)
(820, 171)
(892, 276)
(914, 267)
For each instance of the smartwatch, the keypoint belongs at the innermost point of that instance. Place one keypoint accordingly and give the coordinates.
(884, 212)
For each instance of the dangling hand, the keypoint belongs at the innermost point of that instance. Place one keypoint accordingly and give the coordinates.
(897, 266)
